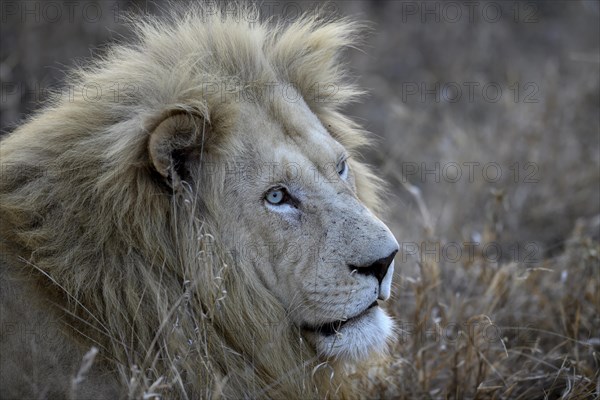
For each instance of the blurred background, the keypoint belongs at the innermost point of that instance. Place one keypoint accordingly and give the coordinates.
(477, 89)
(486, 118)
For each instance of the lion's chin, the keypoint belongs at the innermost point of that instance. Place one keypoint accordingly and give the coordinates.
(357, 339)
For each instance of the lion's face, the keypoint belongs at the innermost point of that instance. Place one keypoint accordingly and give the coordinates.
(291, 211)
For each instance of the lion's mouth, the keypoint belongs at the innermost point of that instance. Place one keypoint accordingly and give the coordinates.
(330, 328)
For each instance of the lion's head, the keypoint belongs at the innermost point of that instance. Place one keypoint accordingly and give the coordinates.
(284, 193)
(225, 128)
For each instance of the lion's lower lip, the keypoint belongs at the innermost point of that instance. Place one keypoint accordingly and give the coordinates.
(330, 328)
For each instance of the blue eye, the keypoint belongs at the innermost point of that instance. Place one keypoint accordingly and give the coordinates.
(342, 169)
(275, 196)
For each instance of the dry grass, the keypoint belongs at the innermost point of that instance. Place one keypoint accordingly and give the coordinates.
(527, 324)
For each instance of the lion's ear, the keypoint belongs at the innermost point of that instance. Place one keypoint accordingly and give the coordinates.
(175, 145)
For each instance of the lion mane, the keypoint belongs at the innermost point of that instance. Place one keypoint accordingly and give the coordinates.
(90, 239)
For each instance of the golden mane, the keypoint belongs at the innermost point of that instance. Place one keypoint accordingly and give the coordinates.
(136, 272)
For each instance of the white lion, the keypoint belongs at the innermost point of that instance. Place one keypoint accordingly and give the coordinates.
(209, 224)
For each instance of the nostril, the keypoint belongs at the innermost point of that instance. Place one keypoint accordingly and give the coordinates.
(378, 269)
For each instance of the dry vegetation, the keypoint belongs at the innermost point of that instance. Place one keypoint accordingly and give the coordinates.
(518, 318)
(525, 324)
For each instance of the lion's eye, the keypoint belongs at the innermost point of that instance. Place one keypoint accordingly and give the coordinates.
(275, 196)
(342, 169)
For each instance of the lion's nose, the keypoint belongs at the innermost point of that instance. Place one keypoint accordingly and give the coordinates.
(378, 269)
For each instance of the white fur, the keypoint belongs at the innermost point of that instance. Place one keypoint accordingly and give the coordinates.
(358, 339)
(281, 208)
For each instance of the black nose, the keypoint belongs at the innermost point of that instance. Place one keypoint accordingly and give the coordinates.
(378, 269)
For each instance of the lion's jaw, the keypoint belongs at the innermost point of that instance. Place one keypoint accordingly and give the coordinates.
(314, 251)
